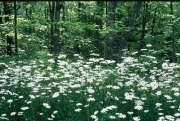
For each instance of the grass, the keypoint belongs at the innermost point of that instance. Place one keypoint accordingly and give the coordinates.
(93, 90)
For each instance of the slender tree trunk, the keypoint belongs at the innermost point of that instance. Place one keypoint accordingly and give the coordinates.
(7, 12)
(64, 11)
(57, 32)
(1, 22)
(15, 28)
(59, 5)
(131, 24)
(144, 22)
(108, 49)
(153, 22)
(51, 9)
(1, 18)
(173, 35)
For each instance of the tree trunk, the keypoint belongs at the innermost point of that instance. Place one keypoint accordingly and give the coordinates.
(108, 49)
(173, 35)
(7, 12)
(59, 5)
(15, 28)
(144, 21)
(153, 22)
(64, 11)
(1, 18)
(57, 32)
(131, 24)
(51, 9)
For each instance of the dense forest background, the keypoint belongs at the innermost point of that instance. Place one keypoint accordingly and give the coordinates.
(110, 29)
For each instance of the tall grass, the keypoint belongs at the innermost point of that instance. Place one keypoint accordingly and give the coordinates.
(93, 90)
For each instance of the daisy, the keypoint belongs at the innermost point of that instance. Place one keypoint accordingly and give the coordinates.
(90, 90)
(20, 113)
(96, 112)
(165, 65)
(13, 113)
(158, 93)
(158, 105)
(120, 115)
(32, 96)
(146, 111)
(139, 102)
(177, 94)
(50, 119)
(113, 107)
(61, 89)
(104, 110)
(78, 104)
(20, 97)
(115, 87)
(128, 96)
(136, 118)
(28, 102)
(51, 61)
(24, 108)
(175, 89)
(130, 113)
(177, 114)
(138, 107)
(3, 115)
(40, 114)
(148, 45)
(168, 97)
(46, 105)
(93, 116)
(90, 99)
(54, 112)
(49, 68)
(10, 101)
(129, 83)
(77, 110)
(154, 85)
(56, 94)
(169, 117)
(112, 117)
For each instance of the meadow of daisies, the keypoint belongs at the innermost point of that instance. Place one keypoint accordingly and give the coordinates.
(137, 89)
